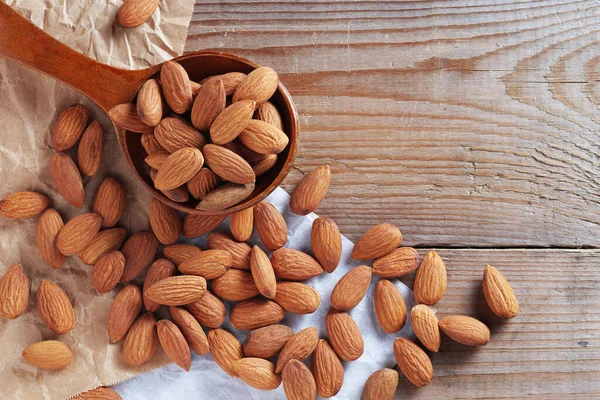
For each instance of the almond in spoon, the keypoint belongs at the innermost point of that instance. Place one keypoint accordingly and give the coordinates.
(179, 168)
(150, 103)
(176, 86)
(209, 103)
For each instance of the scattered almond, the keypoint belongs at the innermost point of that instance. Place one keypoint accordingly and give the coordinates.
(173, 343)
(225, 349)
(267, 341)
(232, 121)
(240, 251)
(377, 242)
(139, 251)
(498, 294)
(297, 298)
(400, 262)
(14, 292)
(69, 127)
(150, 103)
(176, 86)
(78, 233)
(178, 253)
(298, 347)
(225, 196)
(123, 312)
(107, 271)
(55, 308)
(48, 226)
(209, 103)
(425, 325)
(105, 241)
(23, 205)
(310, 191)
(178, 168)
(413, 362)
(210, 311)
(160, 269)
(326, 242)
(67, 179)
(242, 224)
(465, 330)
(228, 165)
(270, 225)
(390, 308)
(294, 265)
(209, 264)
(268, 113)
(430, 281)
(298, 382)
(191, 329)
(177, 290)
(262, 272)
(264, 138)
(141, 341)
(351, 288)
(259, 86)
(202, 183)
(197, 225)
(175, 134)
(89, 152)
(165, 222)
(344, 335)
(134, 13)
(109, 202)
(258, 373)
(327, 370)
(381, 385)
(125, 116)
(255, 313)
(49, 354)
(101, 393)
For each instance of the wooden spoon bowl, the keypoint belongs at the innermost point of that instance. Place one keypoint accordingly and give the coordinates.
(107, 86)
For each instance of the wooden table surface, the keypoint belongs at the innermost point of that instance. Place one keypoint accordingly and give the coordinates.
(473, 126)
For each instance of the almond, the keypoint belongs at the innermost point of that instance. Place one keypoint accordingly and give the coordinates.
(298, 382)
(381, 385)
(465, 330)
(390, 308)
(150, 143)
(101, 393)
(262, 272)
(160, 269)
(298, 347)
(400, 262)
(67, 179)
(197, 225)
(258, 373)
(230, 80)
(123, 312)
(55, 308)
(176, 86)
(177, 290)
(175, 134)
(240, 252)
(210, 311)
(48, 226)
(49, 354)
(270, 225)
(134, 13)
(326, 242)
(107, 271)
(178, 253)
(255, 313)
(413, 362)
(209, 264)
(209, 103)
(225, 196)
(178, 195)
(263, 137)
(156, 160)
(165, 221)
(498, 294)
(23, 205)
(268, 113)
(78, 233)
(202, 183)
(242, 224)
(351, 288)
(297, 298)
(425, 325)
(195, 88)
(14, 292)
(179, 168)
(310, 191)
(173, 343)
(150, 103)
(139, 251)
(377, 242)
(225, 349)
(259, 86)
(228, 165)
(244, 152)
(109, 202)
(430, 281)
(344, 335)
(125, 116)
(105, 241)
(141, 341)
(294, 265)
(89, 152)
(69, 127)
(327, 370)
(191, 329)
(267, 341)
(264, 165)
(232, 121)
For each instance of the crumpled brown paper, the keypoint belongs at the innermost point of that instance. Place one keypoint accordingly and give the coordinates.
(29, 103)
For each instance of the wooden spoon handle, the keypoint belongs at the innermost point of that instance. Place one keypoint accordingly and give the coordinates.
(25, 43)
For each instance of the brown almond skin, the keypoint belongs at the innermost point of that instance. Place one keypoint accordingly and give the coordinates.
(123, 312)
(270, 226)
(69, 127)
(107, 271)
(209, 310)
(23, 205)
(101, 393)
(244, 152)
(178, 253)
(177, 290)
(134, 13)
(240, 251)
(268, 113)
(413, 362)
(326, 242)
(255, 313)
(55, 308)
(174, 344)
(159, 270)
(78, 233)
(298, 347)
(351, 288)
(262, 273)
(176, 86)
(259, 86)
(150, 103)
(297, 298)
(381, 385)
(197, 225)
(150, 143)
(165, 222)
(209, 103)
(258, 373)
(498, 294)
(344, 335)
(298, 382)
(139, 251)
(178, 168)
(465, 330)
(400, 262)
(267, 341)
(430, 281)
(156, 160)
(425, 325)
(125, 117)
(48, 226)
(202, 183)
(377, 242)
(105, 241)
(294, 265)
(67, 179)
(141, 341)
(191, 329)
(242, 224)
(230, 80)
(228, 165)
(310, 191)
(14, 292)
(231, 122)
(89, 152)
(49, 354)
(390, 307)
(225, 349)
(174, 134)
(209, 264)
(327, 370)
(263, 137)
(225, 196)
(110, 202)
(264, 165)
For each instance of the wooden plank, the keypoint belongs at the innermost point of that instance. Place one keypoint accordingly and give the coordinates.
(466, 123)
